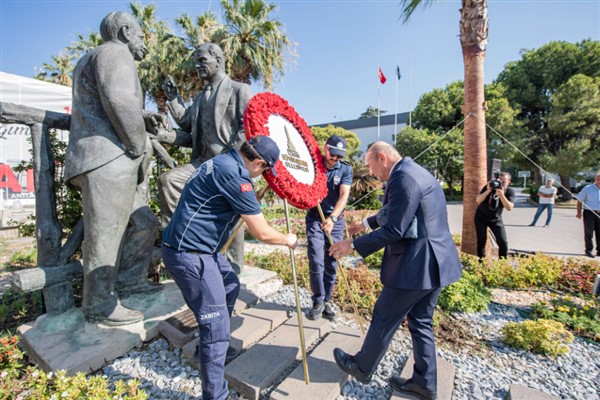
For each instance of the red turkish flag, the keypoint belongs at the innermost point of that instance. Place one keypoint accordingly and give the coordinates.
(245, 187)
(382, 78)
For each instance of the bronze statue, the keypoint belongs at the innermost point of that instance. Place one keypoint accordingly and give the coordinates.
(107, 159)
(212, 125)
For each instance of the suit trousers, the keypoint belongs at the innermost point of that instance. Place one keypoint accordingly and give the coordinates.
(108, 195)
(210, 289)
(170, 186)
(392, 306)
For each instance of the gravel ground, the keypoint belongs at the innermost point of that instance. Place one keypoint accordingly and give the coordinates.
(483, 374)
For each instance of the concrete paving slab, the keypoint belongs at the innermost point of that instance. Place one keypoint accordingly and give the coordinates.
(180, 329)
(260, 281)
(326, 379)
(259, 367)
(445, 378)
(247, 328)
(519, 392)
(67, 342)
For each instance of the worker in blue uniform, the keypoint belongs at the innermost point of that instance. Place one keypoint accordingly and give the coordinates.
(323, 267)
(217, 195)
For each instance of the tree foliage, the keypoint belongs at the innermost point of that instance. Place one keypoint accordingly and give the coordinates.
(371, 112)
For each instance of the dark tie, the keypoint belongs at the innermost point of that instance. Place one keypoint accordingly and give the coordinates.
(207, 92)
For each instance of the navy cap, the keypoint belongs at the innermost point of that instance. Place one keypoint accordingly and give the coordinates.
(267, 149)
(337, 145)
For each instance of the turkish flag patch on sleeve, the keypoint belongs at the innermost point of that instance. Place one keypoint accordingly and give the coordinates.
(245, 187)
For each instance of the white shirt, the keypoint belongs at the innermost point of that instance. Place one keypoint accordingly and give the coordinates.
(547, 190)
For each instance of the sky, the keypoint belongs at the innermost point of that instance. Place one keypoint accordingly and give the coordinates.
(340, 44)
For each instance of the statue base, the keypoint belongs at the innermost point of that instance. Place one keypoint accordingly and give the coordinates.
(67, 342)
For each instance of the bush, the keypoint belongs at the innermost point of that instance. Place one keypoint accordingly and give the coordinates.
(280, 263)
(468, 294)
(374, 260)
(365, 285)
(17, 382)
(577, 275)
(537, 271)
(24, 258)
(542, 336)
(17, 308)
(582, 319)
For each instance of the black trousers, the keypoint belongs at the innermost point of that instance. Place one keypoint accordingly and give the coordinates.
(591, 224)
(497, 228)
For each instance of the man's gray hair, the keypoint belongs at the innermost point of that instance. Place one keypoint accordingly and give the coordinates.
(112, 24)
(215, 51)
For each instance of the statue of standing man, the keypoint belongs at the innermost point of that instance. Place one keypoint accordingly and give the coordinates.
(212, 125)
(107, 160)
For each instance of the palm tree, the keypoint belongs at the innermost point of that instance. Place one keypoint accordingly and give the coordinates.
(473, 39)
(254, 45)
(59, 71)
(166, 54)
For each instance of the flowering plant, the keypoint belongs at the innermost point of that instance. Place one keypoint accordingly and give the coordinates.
(256, 119)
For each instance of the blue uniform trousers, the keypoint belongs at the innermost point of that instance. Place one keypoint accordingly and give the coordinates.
(392, 306)
(210, 289)
(323, 267)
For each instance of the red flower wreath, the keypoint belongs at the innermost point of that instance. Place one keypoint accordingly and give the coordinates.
(256, 119)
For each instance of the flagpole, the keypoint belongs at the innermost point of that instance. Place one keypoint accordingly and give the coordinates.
(378, 109)
(409, 89)
(396, 109)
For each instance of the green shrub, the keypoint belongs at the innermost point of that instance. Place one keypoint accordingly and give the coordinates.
(537, 271)
(542, 336)
(582, 319)
(17, 382)
(17, 308)
(365, 285)
(374, 260)
(280, 262)
(468, 294)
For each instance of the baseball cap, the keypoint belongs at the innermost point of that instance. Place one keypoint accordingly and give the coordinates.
(267, 150)
(337, 145)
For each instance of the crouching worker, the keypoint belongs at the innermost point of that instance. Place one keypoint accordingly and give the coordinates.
(217, 194)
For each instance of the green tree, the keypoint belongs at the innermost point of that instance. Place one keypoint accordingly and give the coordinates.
(59, 71)
(473, 28)
(371, 112)
(255, 44)
(532, 84)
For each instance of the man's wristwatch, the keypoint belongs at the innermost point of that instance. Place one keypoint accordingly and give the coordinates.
(333, 218)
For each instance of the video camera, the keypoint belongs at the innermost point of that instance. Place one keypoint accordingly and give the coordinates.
(495, 183)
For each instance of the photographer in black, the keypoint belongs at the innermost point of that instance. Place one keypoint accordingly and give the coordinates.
(493, 198)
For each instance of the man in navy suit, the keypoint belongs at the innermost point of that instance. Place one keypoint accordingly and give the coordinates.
(419, 259)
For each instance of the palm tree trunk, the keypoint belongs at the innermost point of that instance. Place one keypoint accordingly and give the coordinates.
(473, 36)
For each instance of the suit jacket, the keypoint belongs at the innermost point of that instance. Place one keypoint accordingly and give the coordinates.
(226, 127)
(430, 260)
(106, 117)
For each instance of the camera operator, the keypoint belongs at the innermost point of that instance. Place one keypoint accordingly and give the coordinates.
(493, 198)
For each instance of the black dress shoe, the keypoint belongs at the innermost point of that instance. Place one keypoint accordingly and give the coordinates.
(408, 386)
(589, 254)
(347, 364)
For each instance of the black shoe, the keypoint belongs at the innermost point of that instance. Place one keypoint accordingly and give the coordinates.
(347, 364)
(408, 386)
(531, 225)
(589, 254)
(316, 311)
(547, 226)
(231, 354)
(328, 311)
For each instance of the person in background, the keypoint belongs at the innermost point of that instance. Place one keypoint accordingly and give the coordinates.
(589, 200)
(323, 267)
(491, 201)
(414, 268)
(546, 195)
(217, 195)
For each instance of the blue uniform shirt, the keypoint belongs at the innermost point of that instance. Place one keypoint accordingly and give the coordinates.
(211, 203)
(339, 174)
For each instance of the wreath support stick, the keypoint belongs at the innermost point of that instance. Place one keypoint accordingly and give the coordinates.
(298, 310)
(343, 275)
(237, 227)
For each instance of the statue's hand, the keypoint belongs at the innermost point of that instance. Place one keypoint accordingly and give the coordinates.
(155, 121)
(170, 88)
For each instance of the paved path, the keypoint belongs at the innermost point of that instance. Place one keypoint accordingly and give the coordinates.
(564, 236)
